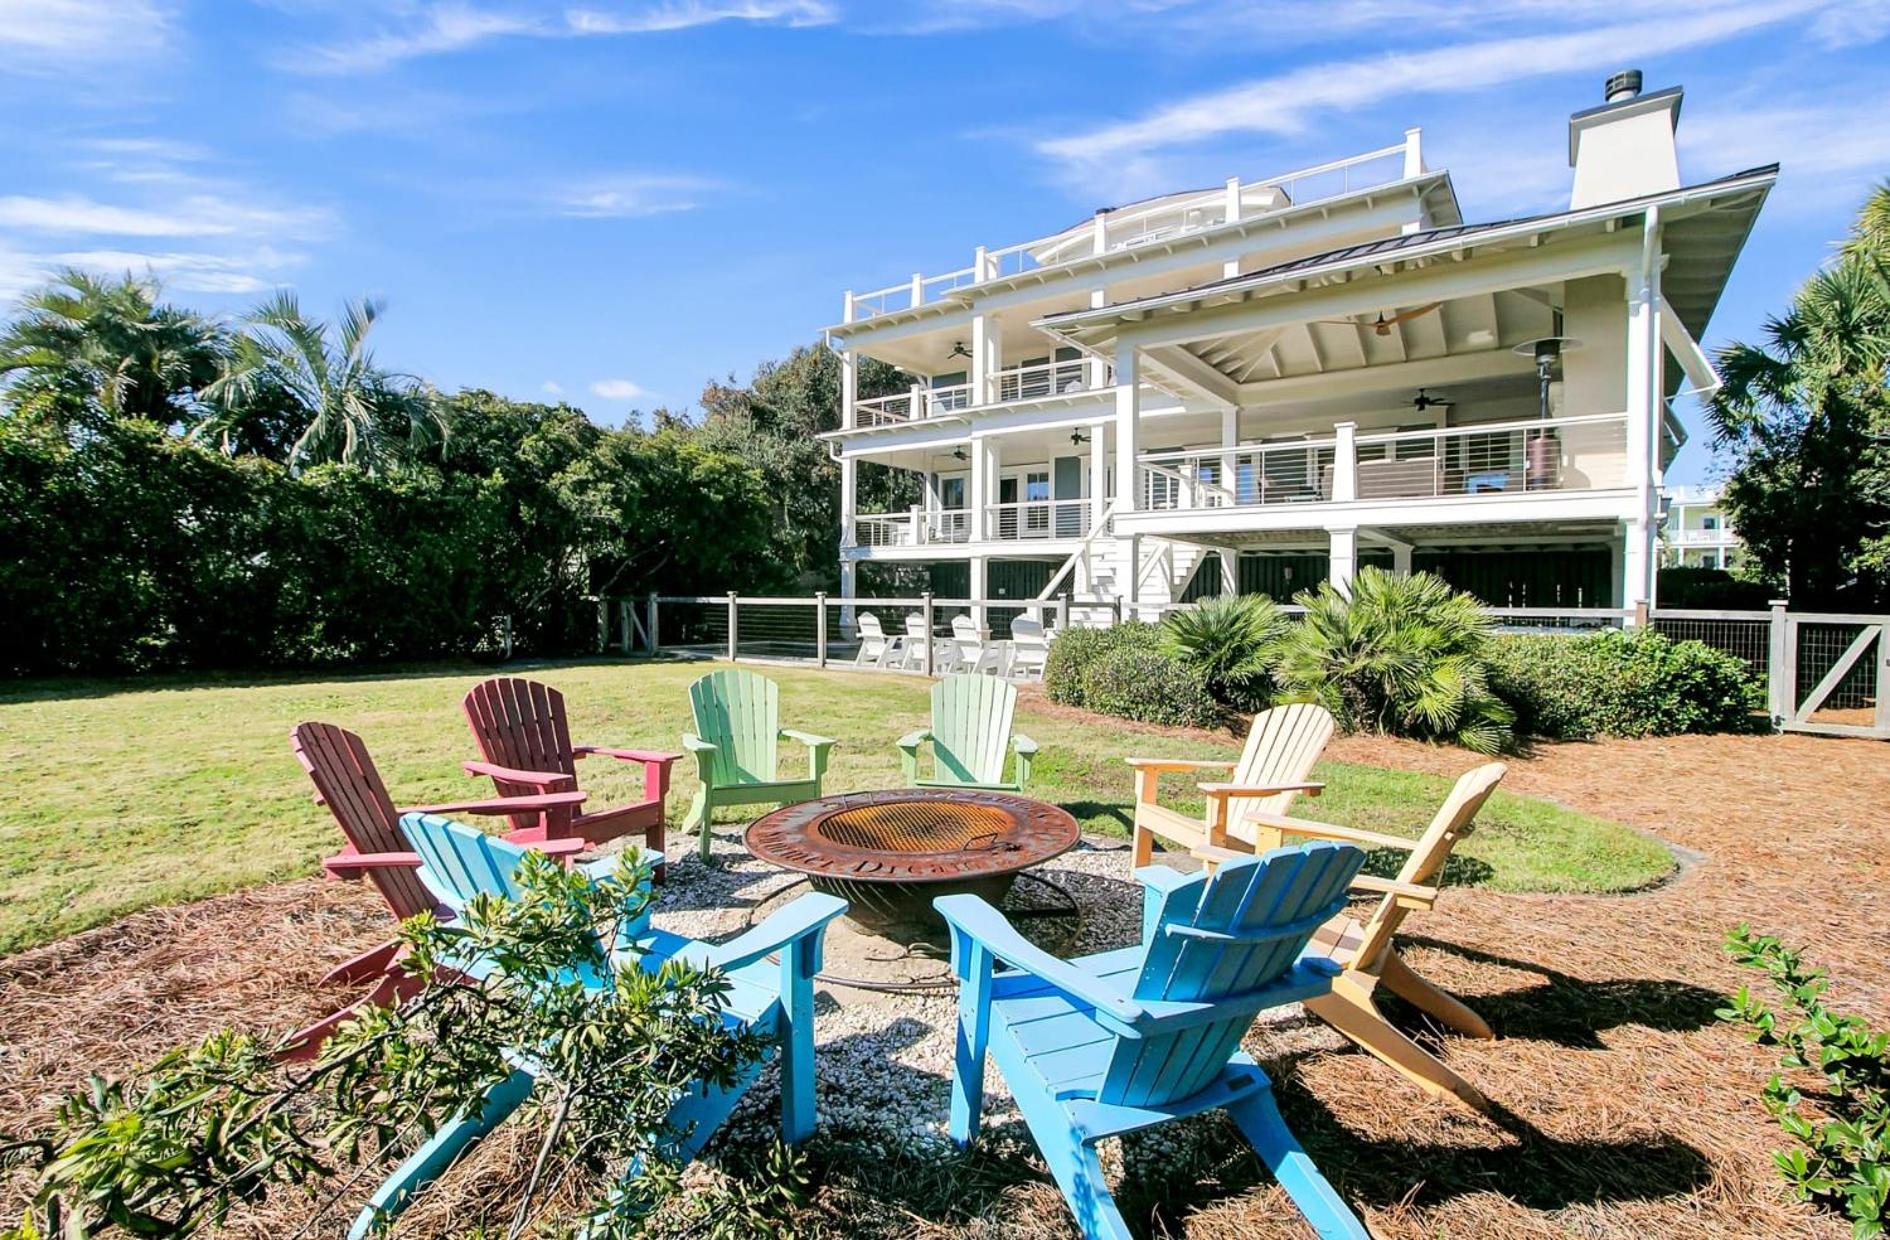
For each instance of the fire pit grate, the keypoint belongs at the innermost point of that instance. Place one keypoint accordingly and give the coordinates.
(916, 827)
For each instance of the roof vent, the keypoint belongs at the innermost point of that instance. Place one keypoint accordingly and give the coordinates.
(1623, 85)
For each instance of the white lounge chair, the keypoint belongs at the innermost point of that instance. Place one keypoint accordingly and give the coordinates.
(875, 647)
(1029, 648)
(973, 653)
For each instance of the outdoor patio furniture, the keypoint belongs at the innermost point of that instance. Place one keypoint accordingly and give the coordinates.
(1274, 766)
(347, 782)
(1029, 649)
(1367, 953)
(736, 745)
(1108, 1044)
(522, 732)
(875, 646)
(770, 970)
(975, 653)
(971, 736)
(917, 641)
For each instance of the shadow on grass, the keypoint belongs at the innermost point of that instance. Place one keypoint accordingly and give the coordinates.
(1115, 817)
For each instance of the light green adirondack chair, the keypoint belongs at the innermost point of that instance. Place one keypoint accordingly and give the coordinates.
(736, 745)
(970, 732)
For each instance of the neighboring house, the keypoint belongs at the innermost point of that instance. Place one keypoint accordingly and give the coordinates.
(1267, 383)
(1697, 532)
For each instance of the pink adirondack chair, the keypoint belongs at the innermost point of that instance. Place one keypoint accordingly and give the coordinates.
(348, 784)
(525, 741)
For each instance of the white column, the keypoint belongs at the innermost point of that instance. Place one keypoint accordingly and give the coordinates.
(1401, 560)
(980, 579)
(1644, 395)
(1098, 369)
(1637, 567)
(977, 490)
(1413, 166)
(1128, 430)
(986, 360)
(1230, 571)
(1230, 435)
(1231, 267)
(1344, 558)
(849, 498)
(849, 387)
(1617, 573)
(1098, 475)
(1345, 462)
(848, 590)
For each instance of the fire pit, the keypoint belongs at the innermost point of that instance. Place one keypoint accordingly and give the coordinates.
(889, 853)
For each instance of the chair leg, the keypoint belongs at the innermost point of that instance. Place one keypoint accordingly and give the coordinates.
(1353, 1014)
(1258, 1118)
(1144, 853)
(1079, 1174)
(369, 964)
(700, 811)
(1421, 993)
(395, 987)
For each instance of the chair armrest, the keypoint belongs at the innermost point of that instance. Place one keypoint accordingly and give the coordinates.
(1179, 764)
(1259, 790)
(808, 738)
(1410, 895)
(1023, 744)
(974, 919)
(912, 740)
(503, 805)
(351, 864)
(1329, 831)
(568, 847)
(808, 914)
(646, 756)
(548, 780)
(695, 744)
(1214, 854)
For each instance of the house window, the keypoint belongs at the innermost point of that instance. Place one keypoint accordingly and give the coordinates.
(1709, 522)
(1037, 502)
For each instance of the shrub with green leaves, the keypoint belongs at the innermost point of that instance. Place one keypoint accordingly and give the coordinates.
(1841, 1125)
(1124, 671)
(1621, 684)
(1232, 641)
(1399, 655)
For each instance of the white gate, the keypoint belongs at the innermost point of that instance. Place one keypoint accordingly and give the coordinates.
(1845, 661)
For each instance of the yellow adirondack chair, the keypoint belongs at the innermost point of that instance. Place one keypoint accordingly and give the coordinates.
(1273, 768)
(1367, 953)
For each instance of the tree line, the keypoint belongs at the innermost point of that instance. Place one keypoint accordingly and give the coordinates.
(178, 490)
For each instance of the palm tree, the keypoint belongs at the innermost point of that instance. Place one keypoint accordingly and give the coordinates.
(89, 348)
(349, 410)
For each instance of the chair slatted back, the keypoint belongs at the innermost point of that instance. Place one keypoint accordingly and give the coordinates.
(1282, 745)
(971, 728)
(1222, 940)
(1454, 820)
(459, 862)
(347, 783)
(738, 712)
(521, 724)
(868, 627)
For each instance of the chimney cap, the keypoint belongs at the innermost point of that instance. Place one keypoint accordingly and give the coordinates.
(1667, 100)
(1623, 85)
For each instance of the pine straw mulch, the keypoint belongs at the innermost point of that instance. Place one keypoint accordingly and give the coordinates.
(1626, 1110)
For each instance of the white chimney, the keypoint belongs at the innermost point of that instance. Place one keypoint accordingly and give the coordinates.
(1624, 148)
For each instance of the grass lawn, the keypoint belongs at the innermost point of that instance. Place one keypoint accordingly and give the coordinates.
(127, 795)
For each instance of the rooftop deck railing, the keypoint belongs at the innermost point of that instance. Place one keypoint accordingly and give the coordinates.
(913, 405)
(1138, 226)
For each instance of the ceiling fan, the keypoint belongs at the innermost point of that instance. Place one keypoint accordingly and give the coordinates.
(958, 350)
(1382, 325)
(1424, 401)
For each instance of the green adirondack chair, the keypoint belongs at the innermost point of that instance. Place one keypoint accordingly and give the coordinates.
(970, 733)
(736, 746)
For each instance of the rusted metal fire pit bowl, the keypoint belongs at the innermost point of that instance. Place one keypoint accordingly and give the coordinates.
(888, 854)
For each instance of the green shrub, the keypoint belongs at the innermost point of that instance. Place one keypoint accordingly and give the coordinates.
(1621, 684)
(1842, 1160)
(1400, 655)
(1232, 641)
(1711, 589)
(1124, 671)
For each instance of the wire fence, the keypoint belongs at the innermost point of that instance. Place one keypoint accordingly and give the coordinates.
(1746, 635)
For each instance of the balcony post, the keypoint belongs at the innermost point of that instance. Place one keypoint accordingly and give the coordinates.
(979, 582)
(1230, 475)
(1231, 267)
(849, 500)
(1128, 430)
(849, 385)
(986, 360)
(980, 487)
(1099, 241)
(1413, 152)
(1098, 475)
(917, 518)
(846, 307)
(916, 403)
(1345, 463)
(980, 265)
(1344, 562)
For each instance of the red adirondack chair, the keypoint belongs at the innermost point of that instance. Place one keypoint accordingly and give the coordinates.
(522, 733)
(347, 783)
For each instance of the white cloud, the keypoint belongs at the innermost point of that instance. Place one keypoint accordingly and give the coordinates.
(1290, 103)
(551, 387)
(1829, 159)
(191, 272)
(455, 26)
(617, 389)
(631, 195)
(49, 35)
(194, 215)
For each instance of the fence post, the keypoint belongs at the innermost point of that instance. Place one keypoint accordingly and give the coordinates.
(623, 626)
(1115, 611)
(603, 624)
(649, 624)
(732, 622)
(820, 628)
(926, 610)
(1778, 666)
(1063, 612)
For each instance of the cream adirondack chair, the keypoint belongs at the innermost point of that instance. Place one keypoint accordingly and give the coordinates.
(1273, 768)
(875, 647)
(1366, 952)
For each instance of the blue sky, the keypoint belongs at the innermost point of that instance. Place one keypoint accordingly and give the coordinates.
(616, 200)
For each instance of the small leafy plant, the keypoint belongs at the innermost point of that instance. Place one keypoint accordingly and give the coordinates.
(1231, 641)
(1842, 1159)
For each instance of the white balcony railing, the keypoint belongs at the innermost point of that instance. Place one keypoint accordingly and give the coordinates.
(913, 405)
(917, 527)
(1700, 538)
(1038, 518)
(1124, 229)
(1049, 379)
(1562, 454)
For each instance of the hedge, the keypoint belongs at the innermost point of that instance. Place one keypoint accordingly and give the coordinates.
(1123, 671)
(1622, 684)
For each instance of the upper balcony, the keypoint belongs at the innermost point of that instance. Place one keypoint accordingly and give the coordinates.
(1157, 220)
(1019, 383)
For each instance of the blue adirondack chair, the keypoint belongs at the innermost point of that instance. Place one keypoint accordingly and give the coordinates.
(458, 862)
(970, 735)
(1112, 1043)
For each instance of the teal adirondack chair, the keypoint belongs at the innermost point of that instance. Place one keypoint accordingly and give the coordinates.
(970, 732)
(736, 745)
(1112, 1043)
(774, 997)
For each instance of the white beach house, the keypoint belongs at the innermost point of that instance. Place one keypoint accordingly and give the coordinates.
(1266, 383)
(1698, 532)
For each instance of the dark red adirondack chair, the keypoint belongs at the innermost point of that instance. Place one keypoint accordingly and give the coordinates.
(347, 783)
(522, 733)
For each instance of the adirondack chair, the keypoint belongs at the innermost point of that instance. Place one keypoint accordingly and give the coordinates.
(1368, 953)
(1273, 768)
(917, 641)
(874, 645)
(1107, 1044)
(347, 782)
(974, 653)
(770, 968)
(1030, 648)
(736, 747)
(970, 732)
(521, 730)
